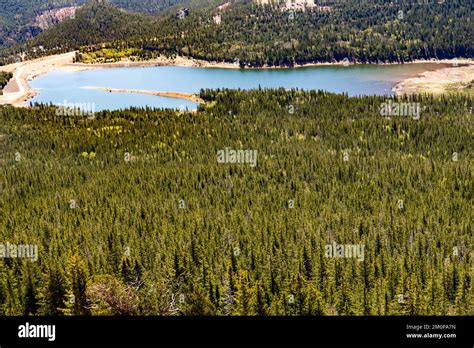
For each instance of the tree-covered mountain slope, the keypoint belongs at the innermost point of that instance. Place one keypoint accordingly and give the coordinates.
(368, 31)
(96, 23)
(19, 18)
(258, 35)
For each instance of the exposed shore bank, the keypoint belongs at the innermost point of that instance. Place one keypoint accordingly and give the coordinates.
(180, 95)
(450, 79)
(18, 90)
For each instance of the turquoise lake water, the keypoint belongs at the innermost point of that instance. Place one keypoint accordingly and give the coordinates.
(61, 87)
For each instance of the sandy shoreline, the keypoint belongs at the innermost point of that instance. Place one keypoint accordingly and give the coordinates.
(438, 81)
(18, 90)
(197, 63)
(179, 95)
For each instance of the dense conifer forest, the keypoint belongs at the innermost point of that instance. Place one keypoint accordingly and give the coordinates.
(372, 31)
(17, 17)
(133, 214)
(362, 31)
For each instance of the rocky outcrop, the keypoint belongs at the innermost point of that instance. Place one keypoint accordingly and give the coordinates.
(52, 17)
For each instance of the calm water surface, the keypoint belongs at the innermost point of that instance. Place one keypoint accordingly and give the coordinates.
(59, 86)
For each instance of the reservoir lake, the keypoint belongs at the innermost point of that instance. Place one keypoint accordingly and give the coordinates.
(59, 87)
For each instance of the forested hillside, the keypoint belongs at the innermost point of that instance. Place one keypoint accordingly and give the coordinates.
(17, 17)
(133, 214)
(369, 31)
(96, 23)
(158, 6)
